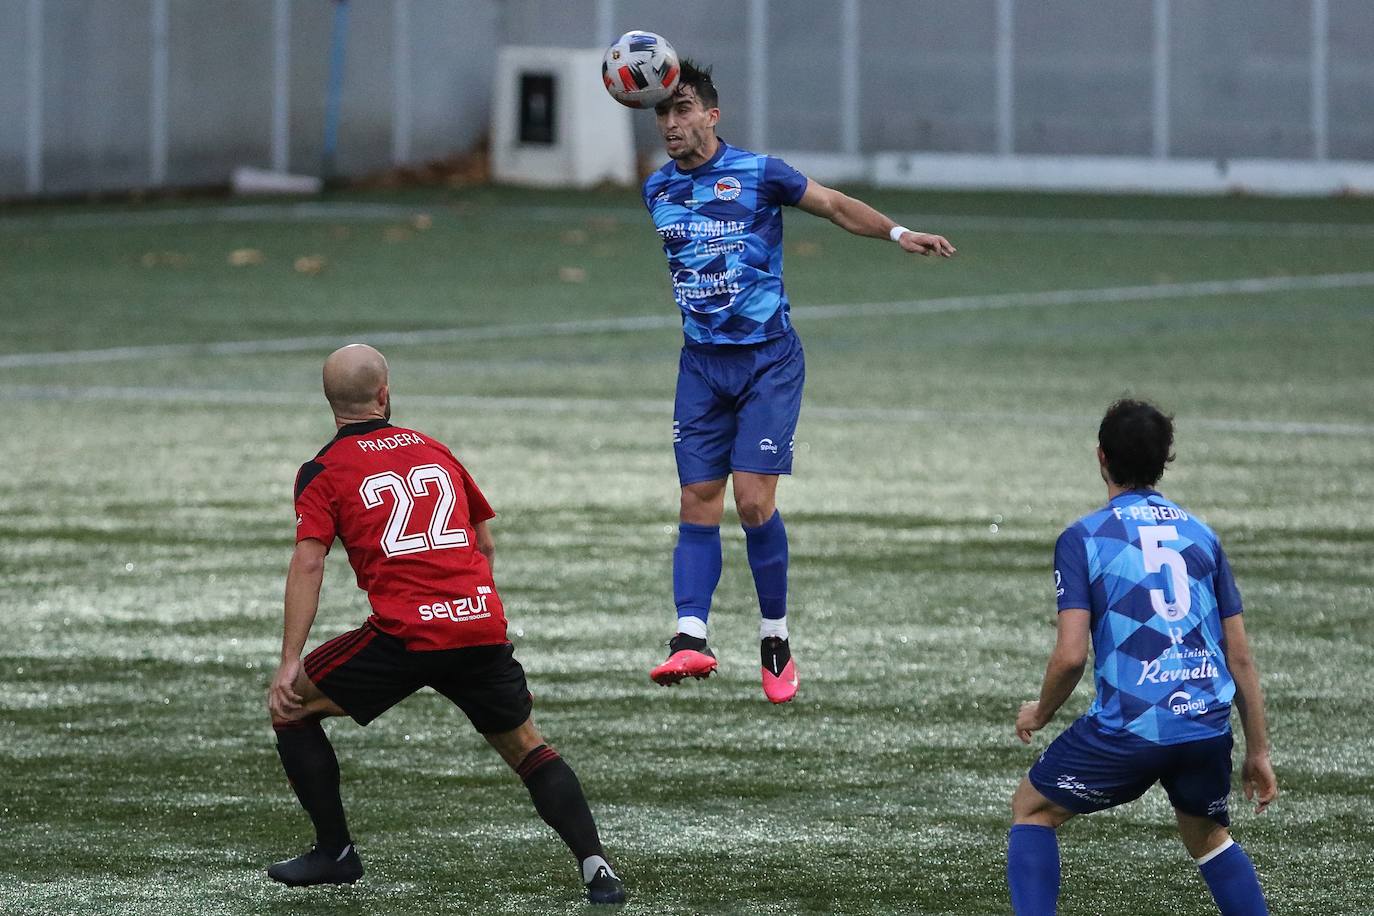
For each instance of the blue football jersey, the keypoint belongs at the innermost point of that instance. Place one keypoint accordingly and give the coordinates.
(721, 225)
(1158, 585)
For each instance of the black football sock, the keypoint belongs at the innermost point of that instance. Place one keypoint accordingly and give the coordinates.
(313, 771)
(558, 798)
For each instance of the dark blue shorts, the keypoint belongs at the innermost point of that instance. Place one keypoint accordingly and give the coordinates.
(1087, 770)
(736, 408)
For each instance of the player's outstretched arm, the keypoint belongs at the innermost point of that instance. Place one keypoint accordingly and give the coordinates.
(302, 603)
(1065, 668)
(853, 215)
(1257, 773)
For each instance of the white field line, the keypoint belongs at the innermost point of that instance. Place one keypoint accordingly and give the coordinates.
(1111, 294)
(640, 406)
(317, 211)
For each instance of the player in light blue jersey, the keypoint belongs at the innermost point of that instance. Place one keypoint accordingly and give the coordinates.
(718, 210)
(1151, 585)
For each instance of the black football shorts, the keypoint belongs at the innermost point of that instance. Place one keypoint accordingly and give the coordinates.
(366, 672)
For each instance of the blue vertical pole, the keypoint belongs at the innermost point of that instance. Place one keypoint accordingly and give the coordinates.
(338, 39)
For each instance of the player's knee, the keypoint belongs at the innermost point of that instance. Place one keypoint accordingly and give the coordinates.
(703, 503)
(515, 745)
(754, 509)
(1020, 805)
(304, 719)
(1028, 806)
(1200, 835)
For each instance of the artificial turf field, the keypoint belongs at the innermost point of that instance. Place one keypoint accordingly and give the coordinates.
(945, 440)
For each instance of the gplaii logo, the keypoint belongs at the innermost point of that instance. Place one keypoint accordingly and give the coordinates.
(1181, 703)
(766, 445)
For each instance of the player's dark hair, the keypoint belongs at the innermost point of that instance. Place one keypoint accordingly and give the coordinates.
(1138, 440)
(699, 78)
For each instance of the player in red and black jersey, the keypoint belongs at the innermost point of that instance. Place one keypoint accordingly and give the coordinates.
(415, 527)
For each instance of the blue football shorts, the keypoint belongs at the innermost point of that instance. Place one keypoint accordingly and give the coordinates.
(736, 408)
(1087, 770)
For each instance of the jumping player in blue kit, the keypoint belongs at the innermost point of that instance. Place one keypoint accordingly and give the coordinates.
(717, 209)
(1151, 584)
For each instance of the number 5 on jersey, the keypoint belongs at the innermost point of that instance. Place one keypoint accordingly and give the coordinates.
(1174, 603)
(420, 481)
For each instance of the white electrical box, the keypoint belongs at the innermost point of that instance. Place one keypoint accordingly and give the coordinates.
(554, 124)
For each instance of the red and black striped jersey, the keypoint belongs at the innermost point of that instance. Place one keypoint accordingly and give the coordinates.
(406, 511)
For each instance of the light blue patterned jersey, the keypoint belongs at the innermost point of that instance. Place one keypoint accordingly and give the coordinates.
(1158, 585)
(721, 225)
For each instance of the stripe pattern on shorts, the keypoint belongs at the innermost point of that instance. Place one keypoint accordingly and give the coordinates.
(338, 650)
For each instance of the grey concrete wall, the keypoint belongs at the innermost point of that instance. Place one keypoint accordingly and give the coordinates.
(97, 87)
(219, 92)
(1083, 77)
(1240, 78)
(1352, 79)
(927, 76)
(13, 97)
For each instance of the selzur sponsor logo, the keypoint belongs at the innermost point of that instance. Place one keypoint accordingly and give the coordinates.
(459, 609)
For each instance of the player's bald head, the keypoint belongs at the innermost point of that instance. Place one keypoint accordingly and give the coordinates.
(354, 377)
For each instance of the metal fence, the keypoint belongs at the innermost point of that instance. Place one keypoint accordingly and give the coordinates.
(98, 94)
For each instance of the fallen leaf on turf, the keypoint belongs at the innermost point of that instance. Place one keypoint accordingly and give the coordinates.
(165, 259)
(422, 221)
(396, 233)
(309, 264)
(572, 274)
(243, 257)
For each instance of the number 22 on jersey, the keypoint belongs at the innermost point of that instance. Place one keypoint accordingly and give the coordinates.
(422, 480)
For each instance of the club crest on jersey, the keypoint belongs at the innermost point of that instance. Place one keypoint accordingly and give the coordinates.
(727, 188)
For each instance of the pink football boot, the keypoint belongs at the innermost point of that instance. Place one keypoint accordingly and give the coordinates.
(688, 656)
(779, 671)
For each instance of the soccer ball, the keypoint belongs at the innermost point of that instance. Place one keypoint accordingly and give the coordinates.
(640, 69)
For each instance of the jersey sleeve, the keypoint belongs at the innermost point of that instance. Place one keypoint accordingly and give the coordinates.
(648, 190)
(314, 507)
(1072, 588)
(479, 510)
(1224, 584)
(782, 184)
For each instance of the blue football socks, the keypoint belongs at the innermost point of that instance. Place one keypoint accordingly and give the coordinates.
(696, 572)
(767, 549)
(1230, 876)
(1033, 870)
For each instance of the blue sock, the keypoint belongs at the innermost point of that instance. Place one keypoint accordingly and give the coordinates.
(696, 571)
(1033, 870)
(767, 548)
(1230, 876)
